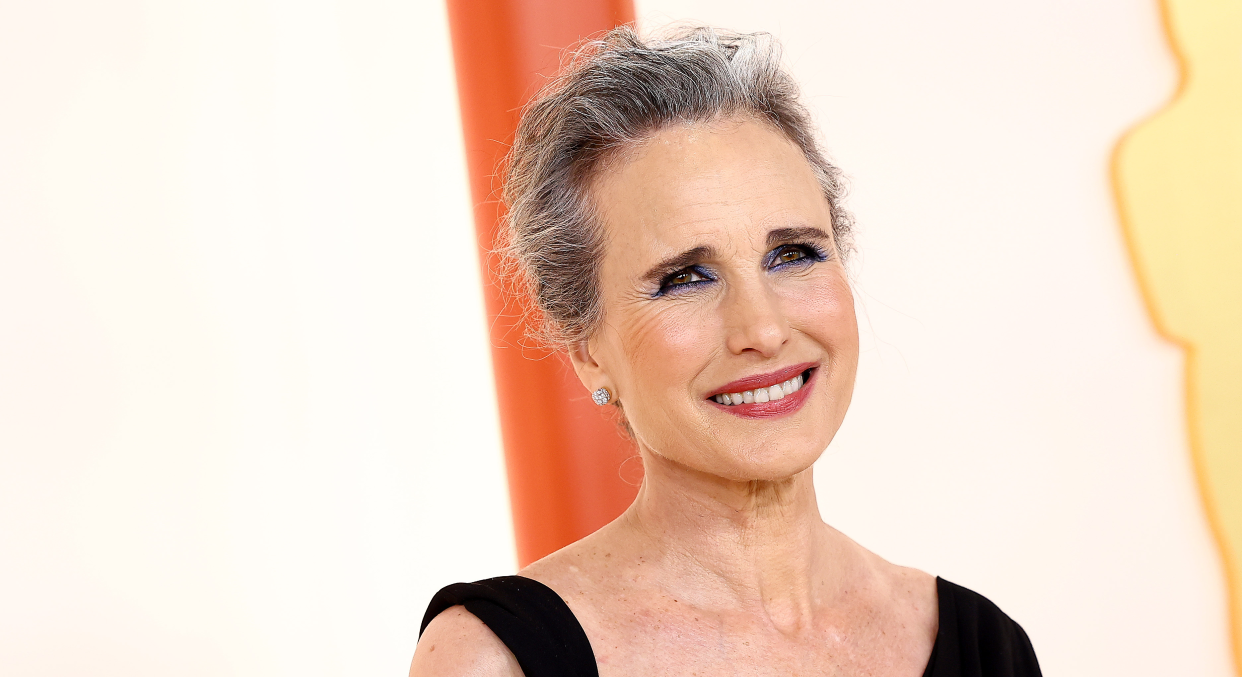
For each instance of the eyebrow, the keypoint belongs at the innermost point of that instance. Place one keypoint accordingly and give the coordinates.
(692, 256)
(779, 235)
(677, 262)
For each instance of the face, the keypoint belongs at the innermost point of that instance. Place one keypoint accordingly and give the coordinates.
(720, 282)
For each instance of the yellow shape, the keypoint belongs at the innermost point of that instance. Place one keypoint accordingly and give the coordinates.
(1178, 178)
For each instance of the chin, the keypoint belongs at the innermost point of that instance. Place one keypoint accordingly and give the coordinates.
(770, 465)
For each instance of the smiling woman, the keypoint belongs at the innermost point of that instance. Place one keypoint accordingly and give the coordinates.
(681, 233)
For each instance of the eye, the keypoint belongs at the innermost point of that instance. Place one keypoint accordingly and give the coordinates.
(795, 255)
(789, 254)
(686, 277)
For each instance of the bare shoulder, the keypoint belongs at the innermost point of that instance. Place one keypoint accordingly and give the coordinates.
(458, 644)
(579, 568)
(917, 589)
(913, 594)
(908, 593)
(595, 577)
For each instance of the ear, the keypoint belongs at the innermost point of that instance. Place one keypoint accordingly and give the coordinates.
(589, 372)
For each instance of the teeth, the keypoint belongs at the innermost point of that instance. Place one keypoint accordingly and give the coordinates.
(761, 395)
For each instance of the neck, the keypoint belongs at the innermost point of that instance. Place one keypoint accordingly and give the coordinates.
(759, 544)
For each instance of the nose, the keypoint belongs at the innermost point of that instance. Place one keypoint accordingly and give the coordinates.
(754, 319)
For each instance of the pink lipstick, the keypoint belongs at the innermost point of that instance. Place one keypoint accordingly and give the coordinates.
(776, 393)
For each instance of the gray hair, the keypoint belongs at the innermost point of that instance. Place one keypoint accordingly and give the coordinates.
(612, 94)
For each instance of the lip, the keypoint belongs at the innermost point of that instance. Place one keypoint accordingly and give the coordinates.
(763, 380)
(786, 405)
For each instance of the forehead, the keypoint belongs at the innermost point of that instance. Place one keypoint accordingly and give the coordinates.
(730, 179)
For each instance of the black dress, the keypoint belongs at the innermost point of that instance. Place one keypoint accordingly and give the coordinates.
(975, 639)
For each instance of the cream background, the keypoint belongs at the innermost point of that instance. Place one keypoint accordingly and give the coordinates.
(246, 417)
(246, 420)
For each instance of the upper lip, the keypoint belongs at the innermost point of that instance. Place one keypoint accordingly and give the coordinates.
(763, 380)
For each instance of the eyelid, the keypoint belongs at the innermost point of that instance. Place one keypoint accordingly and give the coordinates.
(665, 284)
(813, 252)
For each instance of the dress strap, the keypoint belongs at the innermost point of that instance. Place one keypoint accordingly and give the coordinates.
(977, 639)
(530, 618)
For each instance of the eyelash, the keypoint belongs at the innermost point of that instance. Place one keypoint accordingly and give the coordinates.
(667, 286)
(811, 254)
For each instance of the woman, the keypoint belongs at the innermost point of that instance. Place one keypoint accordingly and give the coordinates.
(683, 237)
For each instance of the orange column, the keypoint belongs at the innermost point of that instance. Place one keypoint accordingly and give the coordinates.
(563, 455)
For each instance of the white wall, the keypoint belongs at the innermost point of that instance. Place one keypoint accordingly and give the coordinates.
(247, 425)
(1017, 425)
(246, 417)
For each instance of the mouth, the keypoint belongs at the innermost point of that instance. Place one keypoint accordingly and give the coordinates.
(767, 395)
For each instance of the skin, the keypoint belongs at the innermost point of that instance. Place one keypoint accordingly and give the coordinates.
(722, 566)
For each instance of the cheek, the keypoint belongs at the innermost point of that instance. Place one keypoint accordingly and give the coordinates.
(825, 309)
(655, 352)
(664, 346)
(824, 312)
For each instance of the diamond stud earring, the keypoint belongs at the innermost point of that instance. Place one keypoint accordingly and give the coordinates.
(602, 396)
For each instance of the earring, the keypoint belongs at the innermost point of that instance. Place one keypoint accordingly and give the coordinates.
(602, 396)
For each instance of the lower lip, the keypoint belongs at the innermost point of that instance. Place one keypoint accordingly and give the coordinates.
(772, 408)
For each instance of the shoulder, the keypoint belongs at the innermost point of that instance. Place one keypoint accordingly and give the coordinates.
(976, 616)
(500, 626)
(913, 588)
(457, 644)
(974, 631)
(582, 570)
(910, 593)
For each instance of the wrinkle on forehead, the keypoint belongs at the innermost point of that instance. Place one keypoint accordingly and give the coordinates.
(683, 184)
